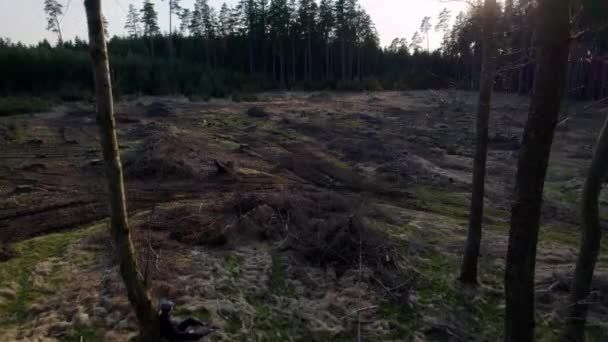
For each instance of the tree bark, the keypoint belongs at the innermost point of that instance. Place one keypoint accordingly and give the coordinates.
(343, 60)
(327, 70)
(59, 35)
(590, 243)
(138, 296)
(468, 273)
(551, 43)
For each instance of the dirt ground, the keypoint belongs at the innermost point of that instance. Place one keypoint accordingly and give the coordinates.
(302, 216)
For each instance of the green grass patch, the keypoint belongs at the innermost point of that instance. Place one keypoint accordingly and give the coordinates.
(200, 314)
(277, 282)
(23, 105)
(271, 325)
(401, 320)
(16, 272)
(83, 334)
(559, 173)
(455, 205)
(442, 202)
(233, 263)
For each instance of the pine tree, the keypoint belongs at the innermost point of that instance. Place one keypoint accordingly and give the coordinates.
(443, 20)
(326, 28)
(149, 325)
(425, 27)
(468, 274)
(225, 28)
(149, 19)
(307, 17)
(551, 41)
(278, 19)
(133, 22)
(54, 10)
(185, 17)
(415, 42)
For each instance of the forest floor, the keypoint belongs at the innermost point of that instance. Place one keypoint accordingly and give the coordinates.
(301, 216)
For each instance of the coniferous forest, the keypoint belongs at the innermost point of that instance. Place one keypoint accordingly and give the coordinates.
(304, 44)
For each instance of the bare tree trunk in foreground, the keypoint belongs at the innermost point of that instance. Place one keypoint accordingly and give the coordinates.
(590, 244)
(138, 296)
(468, 273)
(551, 43)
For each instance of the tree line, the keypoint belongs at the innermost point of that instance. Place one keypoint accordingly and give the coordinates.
(326, 44)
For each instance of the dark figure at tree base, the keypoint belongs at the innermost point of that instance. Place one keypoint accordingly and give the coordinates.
(180, 332)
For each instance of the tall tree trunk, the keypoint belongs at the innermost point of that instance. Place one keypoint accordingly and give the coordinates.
(59, 35)
(282, 65)
(293, 60)
(251, 61)
(526, 32)
(309, 52)
(327, 74)
(171, 29)
(275, 76)
(138, 296)
(468, 273)
(551, 43)
(343, 60)
(590, 243)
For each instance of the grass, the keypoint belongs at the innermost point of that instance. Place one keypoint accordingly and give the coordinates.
(233, 263)
(437, 290)
(277, 282)
(83, 334)
(401, 319)
(453, 204)
(200, 314)
(16, 272)
(271, 325)
(22, 105)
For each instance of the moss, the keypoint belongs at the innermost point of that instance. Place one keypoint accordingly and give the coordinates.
(277, 282)
(18, 270)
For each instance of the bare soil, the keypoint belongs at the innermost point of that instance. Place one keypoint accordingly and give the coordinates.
(305, 216)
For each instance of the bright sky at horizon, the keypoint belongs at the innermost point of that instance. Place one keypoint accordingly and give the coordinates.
(24, 20)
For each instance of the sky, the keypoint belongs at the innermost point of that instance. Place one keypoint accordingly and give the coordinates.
(24, 20)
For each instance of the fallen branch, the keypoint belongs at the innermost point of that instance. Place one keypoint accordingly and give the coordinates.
(356, 312)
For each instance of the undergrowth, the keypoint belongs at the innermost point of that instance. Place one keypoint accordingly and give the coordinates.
(22, 105)
(16, 273)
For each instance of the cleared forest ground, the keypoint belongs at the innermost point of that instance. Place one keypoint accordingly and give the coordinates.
(301, 216)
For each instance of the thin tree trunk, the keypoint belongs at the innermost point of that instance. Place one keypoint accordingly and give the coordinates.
(524, 71)
(293, 60)
(282, 65)
(138, 296)
(343, 60)
(60, 36)
(275, 77)
(327, 61)
(309, 53)
(171, 29)
(551, 43)
(468, 273)
(590, 243)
